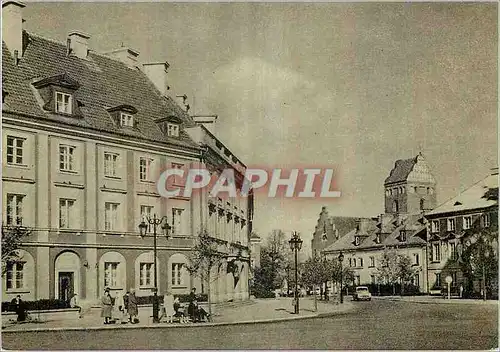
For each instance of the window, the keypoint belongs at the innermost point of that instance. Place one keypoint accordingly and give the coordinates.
(66, 158)
(467, 222)
(436, 252)
(373, 279)
(177, 220)
(146, 271)
(177, 274)
(453, 251)
(111, 274)
(360, 262)
(110, 164)
(451, 225)
(15, 275)
(485, 220)
(350, 262)
(111, 216)
(324, 237)
(454, 278)
(372, 262)
(357, 280)
(402, 235)
(178, 180)
(146, 213)
(15, 150)
(395, 206)
(387, 193)
(172, 130)
(438, 279)
(416, 259)
(416, 280)
(422, 203)
(15, 209)
(66, 216)
(377, 238)
(435, 226)
(63, 103)
(415, 189)
(126, 120)
(145, 169)
(356, 240)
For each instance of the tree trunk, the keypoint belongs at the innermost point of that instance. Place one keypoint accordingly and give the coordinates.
(209, 295)
(315, 300)
(393, 289)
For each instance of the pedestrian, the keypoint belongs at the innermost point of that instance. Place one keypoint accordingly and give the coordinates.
(19, 307)
(132, 309)
(107, 306)
(461, 290)
(119, 308)
(73, 303)
(125, 306)
(168, 306)
(192, 304)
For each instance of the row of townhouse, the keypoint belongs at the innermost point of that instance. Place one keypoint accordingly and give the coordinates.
(432, 237)
(85, 136)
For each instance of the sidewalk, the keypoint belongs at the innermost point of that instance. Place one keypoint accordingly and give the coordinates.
(256, 311)
(436, 300)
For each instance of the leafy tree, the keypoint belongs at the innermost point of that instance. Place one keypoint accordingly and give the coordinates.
(316, 271)
(12, 237)
(388, 271)
(204, 258)
(406, 272)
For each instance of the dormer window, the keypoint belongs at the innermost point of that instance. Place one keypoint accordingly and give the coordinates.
(377, 238)
(126, 120)
(402, 235)
(356, 241)
(63, 103)
(172, 130)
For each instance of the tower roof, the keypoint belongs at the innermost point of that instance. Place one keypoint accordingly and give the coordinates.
(401, 170)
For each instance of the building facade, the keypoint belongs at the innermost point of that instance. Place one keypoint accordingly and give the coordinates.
(85, 137)
(409, 191)
(453, 227)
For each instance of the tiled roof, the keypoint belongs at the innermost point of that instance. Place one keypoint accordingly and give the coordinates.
(480, 195)
(104, 83)
(409, 223)
(401, 170)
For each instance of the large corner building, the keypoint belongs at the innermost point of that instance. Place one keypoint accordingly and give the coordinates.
(85, 137)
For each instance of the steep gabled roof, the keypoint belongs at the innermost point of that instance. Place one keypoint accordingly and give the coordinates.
(104, 83)
(483, 194)
(401, 170)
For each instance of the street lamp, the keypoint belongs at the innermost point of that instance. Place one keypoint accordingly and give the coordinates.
(341, 259)
(295, 245)
(143, 227)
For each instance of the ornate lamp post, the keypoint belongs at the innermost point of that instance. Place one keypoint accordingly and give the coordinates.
(143, 227)
(341, 259)
(295, 245)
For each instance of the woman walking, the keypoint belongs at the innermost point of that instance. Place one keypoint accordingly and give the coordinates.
(107, 306)
(132, 307)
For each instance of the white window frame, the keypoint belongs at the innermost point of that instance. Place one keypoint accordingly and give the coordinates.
(67, 155)
(450, 224)
(14, 150)
(438, 279)
(173, 129)
(436, 254)
(146, 274)
(177, 221)
(126, 120)
(434, 226)
(111, 216)
(111, 164)
(146, 214)
(372, 262)
(14, 210)
(111, 274)
(467, 222)
(416, 259)
(178, 274)
(145, 167)
(63, 106)
(15, 275)
(66, 212)
(485, 220)
(453, 251)
(356, 241)
(178, 180)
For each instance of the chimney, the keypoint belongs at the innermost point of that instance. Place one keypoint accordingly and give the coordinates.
(126, 55)
(78, 44)
(209, 122)
(157, 74)
(12, 26)
(182, 102)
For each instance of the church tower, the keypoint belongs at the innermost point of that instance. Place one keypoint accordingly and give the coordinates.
(410, 187)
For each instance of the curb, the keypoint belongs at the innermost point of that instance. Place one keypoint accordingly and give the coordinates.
(172, 326)
(441, 302)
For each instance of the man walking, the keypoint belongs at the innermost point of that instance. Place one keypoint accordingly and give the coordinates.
(73, 303)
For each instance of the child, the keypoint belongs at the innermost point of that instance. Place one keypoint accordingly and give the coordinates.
(168, 305)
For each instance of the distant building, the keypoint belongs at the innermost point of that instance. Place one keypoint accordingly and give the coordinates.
(453, 226)
(255, 244)
(409, 192)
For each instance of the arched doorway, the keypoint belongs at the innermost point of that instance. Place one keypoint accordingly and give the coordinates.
(67, 275)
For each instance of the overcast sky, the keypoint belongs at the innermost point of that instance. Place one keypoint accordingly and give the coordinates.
(354, 86)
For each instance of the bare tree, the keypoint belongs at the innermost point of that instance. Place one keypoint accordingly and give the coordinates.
(204, 258)
(12, 237)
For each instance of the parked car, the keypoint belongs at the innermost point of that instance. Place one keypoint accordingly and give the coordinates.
(362, 293)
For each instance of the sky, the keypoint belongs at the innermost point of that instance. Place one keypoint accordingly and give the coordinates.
(350, 86)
